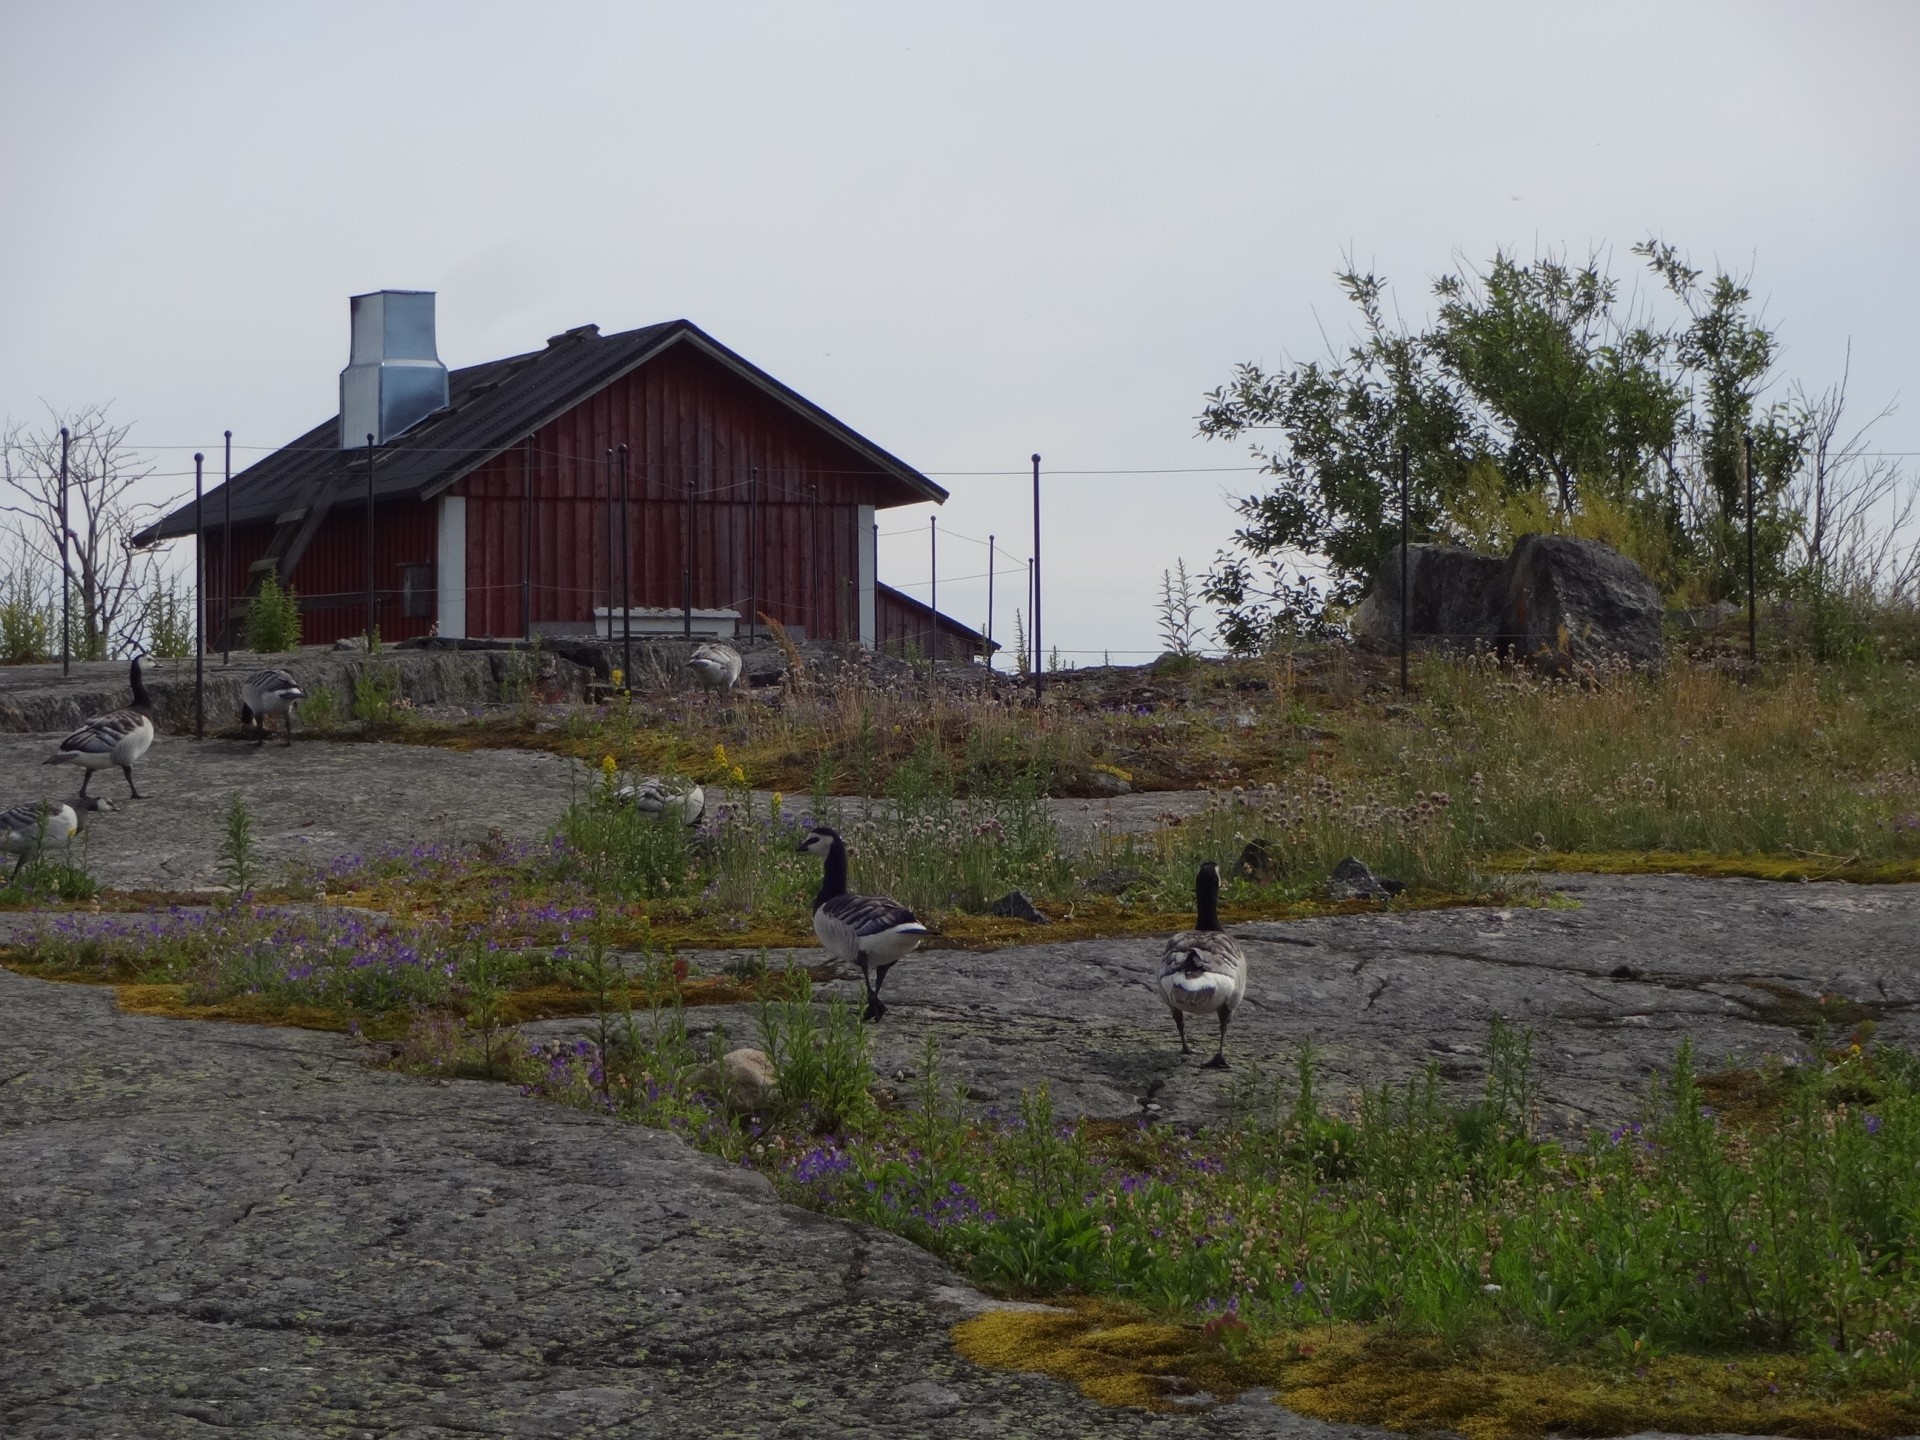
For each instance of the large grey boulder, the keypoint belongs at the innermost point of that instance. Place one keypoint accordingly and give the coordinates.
(1579, 600)
(1554, 600)
(1454, 599)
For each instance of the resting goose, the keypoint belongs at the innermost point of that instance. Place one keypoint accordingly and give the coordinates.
(1203, 971)
(269, 692)
(715, 666)
(116, 739)
(661, 795)
(30, 829)
(870, 931)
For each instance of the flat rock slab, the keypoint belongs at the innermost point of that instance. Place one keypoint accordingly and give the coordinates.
(210, 1229)
(322, 799)
(314, 802)
(1610, 985)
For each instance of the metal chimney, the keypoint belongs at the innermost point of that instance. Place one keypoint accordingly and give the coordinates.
(394, 378)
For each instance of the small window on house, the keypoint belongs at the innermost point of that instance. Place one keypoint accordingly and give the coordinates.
(416, 591)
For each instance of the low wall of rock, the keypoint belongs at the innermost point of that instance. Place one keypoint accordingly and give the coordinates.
(36, 698)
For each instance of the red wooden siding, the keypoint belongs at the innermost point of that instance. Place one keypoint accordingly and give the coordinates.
(696, 435)
(331, 578)
(905, 627)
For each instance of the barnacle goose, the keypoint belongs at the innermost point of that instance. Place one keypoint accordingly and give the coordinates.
(269, 692)
(716, 666)
(672, 796)
(1203, 971)
(119, 738)
(870, 931)
(30, 829)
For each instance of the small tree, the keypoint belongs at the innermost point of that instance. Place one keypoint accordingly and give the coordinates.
(110, 578)
(273, 618)
(1536, 398)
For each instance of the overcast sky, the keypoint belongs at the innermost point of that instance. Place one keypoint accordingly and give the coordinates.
(972, 232)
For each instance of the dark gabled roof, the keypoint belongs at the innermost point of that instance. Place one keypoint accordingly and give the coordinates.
(920, 607)
(490, 408)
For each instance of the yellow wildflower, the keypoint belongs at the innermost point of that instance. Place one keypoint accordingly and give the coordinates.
(608, 765)
(618, 676)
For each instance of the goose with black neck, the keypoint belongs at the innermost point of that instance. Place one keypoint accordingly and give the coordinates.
(117, 739)
(870, 931)
(1203, 971)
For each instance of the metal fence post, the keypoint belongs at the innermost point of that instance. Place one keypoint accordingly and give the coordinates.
(626, 577)
(66, 566)
(1038, 652)
(373, 620)
(226, 558)
(199, 608)
(1406, 600)
(1753, 592)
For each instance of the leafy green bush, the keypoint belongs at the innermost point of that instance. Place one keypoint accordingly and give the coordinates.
(321, 709)
(376, 693)
(273, 618)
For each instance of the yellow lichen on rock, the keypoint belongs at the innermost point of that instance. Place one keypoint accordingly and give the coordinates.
(1115, 1355)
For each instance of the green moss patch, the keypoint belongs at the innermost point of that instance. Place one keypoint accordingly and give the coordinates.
(1116, 1354)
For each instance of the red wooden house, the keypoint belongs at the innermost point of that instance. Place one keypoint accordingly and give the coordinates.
(653, 474)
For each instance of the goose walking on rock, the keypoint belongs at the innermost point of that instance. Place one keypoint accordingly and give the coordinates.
(1203, 971)
(269, 692)
(715, 666)
(31, 829)
(671, 796)
(870, 931)
(118, 739)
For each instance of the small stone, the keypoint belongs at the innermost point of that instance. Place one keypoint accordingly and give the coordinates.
(927, 1394)
(1105, 784)
(1014, 905)
(1114, 881)
(1198, 1400)
(351, 642)
(742, 1079)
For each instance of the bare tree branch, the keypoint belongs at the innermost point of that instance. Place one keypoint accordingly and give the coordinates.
(110, 577)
